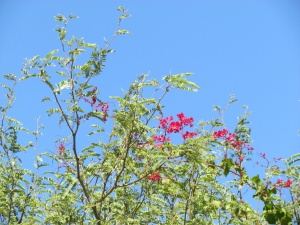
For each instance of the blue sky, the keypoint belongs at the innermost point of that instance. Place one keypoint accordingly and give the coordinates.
(247, 48)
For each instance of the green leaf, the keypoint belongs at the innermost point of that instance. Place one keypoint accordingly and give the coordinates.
(121, 8)
(179, 81)
(52, 111)
(73, 16)
(268, 206)
(5, 86)
(258, 186)
(89, 45)
(49, 84)
(12, 120)
(61, 73)
(97, 115)
(60, 18)
(10, 76)
(294, 158)
(62, 34)
(45, 99)
(99, 130)
(51, 53)
(57, 58)
(65, 84)
(95, 132)
(38, 158)
(256, 179)
(110, 50)
(70, 186)
(227, 164)
(123, 32)
(34, 58)
(77, 51)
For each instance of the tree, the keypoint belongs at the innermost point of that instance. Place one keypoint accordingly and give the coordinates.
(132, 172)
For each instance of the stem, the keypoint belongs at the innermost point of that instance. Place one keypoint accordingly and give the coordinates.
(85, 191)
(142, 201)
(295, 213)
(24, 207)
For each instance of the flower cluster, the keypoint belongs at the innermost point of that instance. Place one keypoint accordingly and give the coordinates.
(241, 158)
(220, 133)
(263, 155)
(61, 148)
(155, 176)
(104, 107)
(94, 100)
(185, 120)
(231, 138)
(189, 135)
(281, 183)
(161, 138)
(164, 122)
(288, 183)
(171, 126)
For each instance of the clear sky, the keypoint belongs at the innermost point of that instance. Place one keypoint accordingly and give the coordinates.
(247, 48)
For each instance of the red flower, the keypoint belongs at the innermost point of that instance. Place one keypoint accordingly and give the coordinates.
(104, 107)
(61, 148)
(155, 176)
(163, 123)
(161, 138)
(220, 133)
(94, 99)
(241, 158)
(185, 120)
(279, 181)
(237, 144)
(174, 127)
(171, 126)
(288, 183)
(189, 135)
(232, 139)
(263, 154)
(250, 148)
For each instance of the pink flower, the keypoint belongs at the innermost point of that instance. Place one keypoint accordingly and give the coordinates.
(279, 181)
(237, 144)
(163, 123)
(61, 148)
(189, 135)
(104, 107)
(250, 148)
(174, 127)
(220, 133)
(288, 183)
(155, 176)
(161, 138)
(263, 154)
(241, 158)
(185, 120)
(232, 139)
(94, 99)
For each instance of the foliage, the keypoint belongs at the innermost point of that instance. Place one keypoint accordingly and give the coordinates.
(133, 173)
